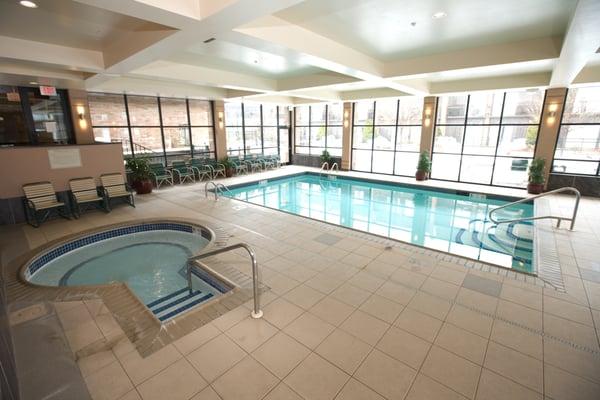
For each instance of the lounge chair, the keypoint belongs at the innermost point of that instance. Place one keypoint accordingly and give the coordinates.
(161, 174)
(200, 169)
(218, 169)
(240, 166)
(182, 171)
(40, 202)
(84, 193)
(114, 187)
(254, 164)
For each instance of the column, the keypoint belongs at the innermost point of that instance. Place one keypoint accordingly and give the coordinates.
(549, 126)
(347, 138)
(220, 136)
(429, 105)
(80, 113)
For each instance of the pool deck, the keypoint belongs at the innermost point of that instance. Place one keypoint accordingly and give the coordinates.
(349, 315)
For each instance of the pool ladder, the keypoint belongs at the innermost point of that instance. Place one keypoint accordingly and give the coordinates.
(218, 187)
(256, 312)
(334, 167)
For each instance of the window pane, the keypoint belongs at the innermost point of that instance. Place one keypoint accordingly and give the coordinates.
(406, 163)
(302, 136)
(201, 113)
(363, 137)
(582, 105)
(334, 152)
(270, 137)
(511, 171)
(269, 115)
(253, 138)
(284, 116)
(177, 140)
(316, 151)
(143, 111)
(383, 162)
(384, 137)
(302, 150)
(385, 112)
(48, 117)
(517, 140)
(174, 112)
(408, 138)
(575, 167)
(411, 110)
(284, 144)
(251, 114)
(107, 109)
(448, 139)
(334, 137)
(149, 138)
(476, 169)
(317, 114)
(235, 139)
(335, 114)
(481, 140)
(445, 166)
(485, 108)
(233, 114)
(363, 113)
(451, 109)
(579, 142)
(107, 135)
(317, 136)
(523, 107)
(202, 139)
(361, 160)
(302, 115)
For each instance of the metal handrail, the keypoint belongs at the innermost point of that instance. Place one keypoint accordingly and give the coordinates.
(335, 167)
(560, 219)
(256, 312)
(217, 187)
(325, 164)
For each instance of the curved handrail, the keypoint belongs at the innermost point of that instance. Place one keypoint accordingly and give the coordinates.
(325, 164)
(560, 219)
(335, 167)
(216, 190)
(256, 312)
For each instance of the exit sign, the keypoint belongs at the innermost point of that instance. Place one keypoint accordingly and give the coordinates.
(48, 90)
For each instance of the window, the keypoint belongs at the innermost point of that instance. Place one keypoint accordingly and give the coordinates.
(578, 145)
(386, 135)
(486, 138)
(257, 129)
(318, 128)
(165, 129)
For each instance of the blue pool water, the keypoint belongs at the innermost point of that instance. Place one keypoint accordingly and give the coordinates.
(454, 223)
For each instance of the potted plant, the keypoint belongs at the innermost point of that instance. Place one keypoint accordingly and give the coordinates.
(326, 158)
(141, 176)
(423, 167)
(229, 166)
(536, 176)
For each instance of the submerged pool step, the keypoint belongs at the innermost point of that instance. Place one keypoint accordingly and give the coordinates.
(177, 302)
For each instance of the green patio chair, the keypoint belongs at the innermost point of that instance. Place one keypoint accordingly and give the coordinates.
(239, 165)
(40, 202)
(218, 169)
(115, 187)
(85, 194)
(182, 171)
(161, 174)
(201, 169)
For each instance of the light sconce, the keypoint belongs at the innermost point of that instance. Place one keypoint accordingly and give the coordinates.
(81, 116)
(552, 108)
(220, 119)
(427, 120)
(346, 115)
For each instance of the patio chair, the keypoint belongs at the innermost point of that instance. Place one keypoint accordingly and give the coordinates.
(115, 187)
(218, 169)
(182, 171)
(254, 164)
(239, 165)
(84, 194)
(40, 202)
(161, 174)
(201, 169)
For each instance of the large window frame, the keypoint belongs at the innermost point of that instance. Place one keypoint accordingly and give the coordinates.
(311, 149)
(500, 125)
(131, 147)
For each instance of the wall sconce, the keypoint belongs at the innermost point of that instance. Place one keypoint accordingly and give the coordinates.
(552, 108)
(427, 120)
(81, 116)
(220, 119)
(346, 115)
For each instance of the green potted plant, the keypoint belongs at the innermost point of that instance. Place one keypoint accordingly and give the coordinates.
(423, 167)
(536, 176)
(141, 176)
(326, 158)
(229, 166)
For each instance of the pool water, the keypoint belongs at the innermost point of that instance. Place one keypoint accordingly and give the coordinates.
(454, 223)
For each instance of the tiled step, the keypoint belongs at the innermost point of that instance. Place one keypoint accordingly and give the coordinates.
(177, 302)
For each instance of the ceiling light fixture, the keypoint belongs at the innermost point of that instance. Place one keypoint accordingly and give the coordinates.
(28, 4)
(438, 15)
(33, 83)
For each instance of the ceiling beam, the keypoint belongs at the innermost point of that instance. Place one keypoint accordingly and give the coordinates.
(516, 81)
(153, 87)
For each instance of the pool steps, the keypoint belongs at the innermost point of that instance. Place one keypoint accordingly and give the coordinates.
(177, 302)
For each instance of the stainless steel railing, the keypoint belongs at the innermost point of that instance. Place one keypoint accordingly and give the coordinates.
(218, 187)
(560, 219)
(256, 312)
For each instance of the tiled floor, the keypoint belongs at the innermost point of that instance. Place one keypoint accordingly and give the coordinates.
(349, 318)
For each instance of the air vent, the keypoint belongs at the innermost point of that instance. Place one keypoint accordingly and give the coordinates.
(212, 39)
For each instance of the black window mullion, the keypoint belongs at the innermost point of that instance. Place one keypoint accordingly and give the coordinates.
(462, 147)
(126, 102)
(162, 133)
(326, 119)
(189, 126)
(396, 137)
(262, 136)
(498, 138)
(243, 130)
(373, 134)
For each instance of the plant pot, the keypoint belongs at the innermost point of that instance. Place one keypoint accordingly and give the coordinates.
(143, 186)
(421, 175)
(535, 188)
(229, 172)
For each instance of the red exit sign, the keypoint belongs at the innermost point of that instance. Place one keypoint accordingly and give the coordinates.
(47, 90)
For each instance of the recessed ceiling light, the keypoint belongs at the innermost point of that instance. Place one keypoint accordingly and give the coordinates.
(28, 4)
(33, 83)
(438, 15)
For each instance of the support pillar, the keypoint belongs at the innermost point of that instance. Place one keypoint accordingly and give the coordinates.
(427, 126)
(220, 136)
(549, 126)
(347, 138)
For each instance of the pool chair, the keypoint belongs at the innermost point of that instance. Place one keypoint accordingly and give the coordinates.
(40, 202)
(200, 169)
(239, 165)
(218, 169)
(182, 171)
(254, 164)
(115, 187)
(161, 174)
(84, 194)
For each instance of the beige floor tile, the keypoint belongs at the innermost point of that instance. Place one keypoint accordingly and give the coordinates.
(366, 281)
(341, 271)
(365, 327)
(441, 289)
(496, 387)
(404, 347)
(139, 369)
(309, 330)
(368, 251)
(282, 392)
(356, 260)
(520, 314)
(215, 357)
(430, 305)
(351, 295)
(304, 296)
(93, 362)
(395, 292)
(316, 379)
(196, 338)
(108, 383)
(463, 343)
(453, 371)
(450, 275)
(343, 350)
(573, 332)
(281, 354)
(521, 296)
(247, 380)
(208, 393)
(479, 301)
(425, 388)
(281, 312)
(571, 311)
(231, 318)
(132, 395)
(385, 375)
(518, 339)
(419, 324)
(408, 278)
(300, 273)
(470, 320)
(324, 283)
(382, 308)
(519, 367)
(576, 361)
(354, 390)
(179, 381)
(380, 269)
(83, 335)
(561, 385)
(251, 333)
(280, 283)
(332, 310)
